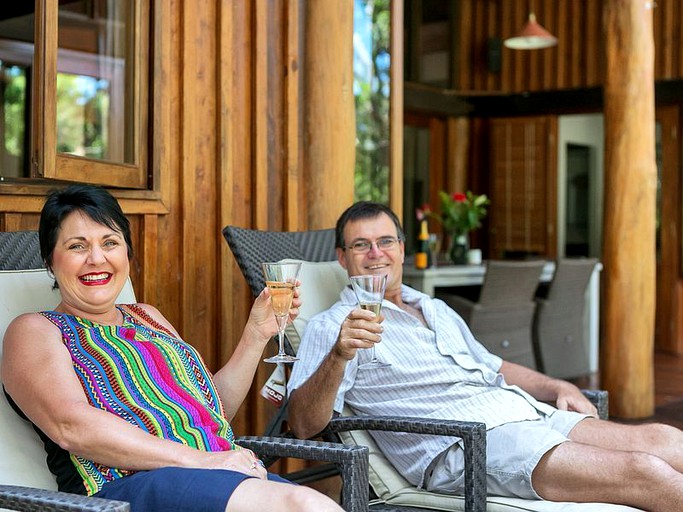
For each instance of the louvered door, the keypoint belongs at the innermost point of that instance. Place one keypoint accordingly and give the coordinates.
(523, 220)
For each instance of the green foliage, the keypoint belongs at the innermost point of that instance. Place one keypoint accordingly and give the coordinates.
(82, 112)
(371, 175)
(15, 109)
(460, 213)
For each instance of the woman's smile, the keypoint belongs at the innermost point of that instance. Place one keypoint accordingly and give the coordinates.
(96, 279)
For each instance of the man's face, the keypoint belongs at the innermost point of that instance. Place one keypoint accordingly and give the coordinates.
(375, 260)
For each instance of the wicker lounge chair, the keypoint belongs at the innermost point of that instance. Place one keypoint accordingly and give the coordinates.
(316, 248)
(559, 321)
(25, 481)
(502, 318)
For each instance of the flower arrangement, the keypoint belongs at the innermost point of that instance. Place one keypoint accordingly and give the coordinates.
(460, 213)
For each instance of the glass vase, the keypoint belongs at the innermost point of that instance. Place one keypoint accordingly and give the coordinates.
(458, 249)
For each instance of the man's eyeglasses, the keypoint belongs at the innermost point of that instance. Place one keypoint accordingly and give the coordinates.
(383, 244)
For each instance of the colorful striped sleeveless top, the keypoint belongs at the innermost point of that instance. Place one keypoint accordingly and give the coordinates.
(145, 375)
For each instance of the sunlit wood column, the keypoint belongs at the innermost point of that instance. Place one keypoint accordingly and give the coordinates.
(630, 189)
(329, 116)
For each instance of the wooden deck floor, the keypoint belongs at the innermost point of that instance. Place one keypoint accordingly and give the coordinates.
(668, 389)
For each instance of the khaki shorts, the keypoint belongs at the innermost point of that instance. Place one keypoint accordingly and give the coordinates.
(512, 453)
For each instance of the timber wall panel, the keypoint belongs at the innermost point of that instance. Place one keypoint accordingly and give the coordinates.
(668, 259)
(198, 203)
(18, 222)
(235, 150)
(226, 148)
(549, 77)
(578, 61)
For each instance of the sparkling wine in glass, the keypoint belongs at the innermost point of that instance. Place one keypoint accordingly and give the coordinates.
(281, 281)
(369, 290)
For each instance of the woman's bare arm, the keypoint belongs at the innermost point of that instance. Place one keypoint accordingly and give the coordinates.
(38, 374)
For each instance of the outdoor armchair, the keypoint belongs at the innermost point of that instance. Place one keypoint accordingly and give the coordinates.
(502, 317)
(559, 324)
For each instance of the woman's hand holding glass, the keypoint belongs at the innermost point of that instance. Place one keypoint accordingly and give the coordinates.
(262, 317)
(281, 280)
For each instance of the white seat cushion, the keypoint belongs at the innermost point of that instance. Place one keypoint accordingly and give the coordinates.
(321, 284)
(22, 457)
(392, 488)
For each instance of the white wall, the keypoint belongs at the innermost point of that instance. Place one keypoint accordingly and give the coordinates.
(587, 130)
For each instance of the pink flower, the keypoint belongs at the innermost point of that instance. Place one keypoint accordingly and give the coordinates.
(421, 213)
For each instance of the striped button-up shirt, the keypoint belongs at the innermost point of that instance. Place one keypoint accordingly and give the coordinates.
(437, 371)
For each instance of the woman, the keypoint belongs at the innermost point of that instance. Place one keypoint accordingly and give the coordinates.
(128, 410)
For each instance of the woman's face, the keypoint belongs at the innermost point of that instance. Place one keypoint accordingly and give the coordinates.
(90, 264)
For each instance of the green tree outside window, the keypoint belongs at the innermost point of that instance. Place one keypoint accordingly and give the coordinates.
(371, 86)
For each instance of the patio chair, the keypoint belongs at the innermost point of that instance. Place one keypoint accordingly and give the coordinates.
(559, 320)
(502, 318)
(25, 481)
(322, 282)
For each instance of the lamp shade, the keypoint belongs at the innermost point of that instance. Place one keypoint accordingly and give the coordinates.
(532, 36)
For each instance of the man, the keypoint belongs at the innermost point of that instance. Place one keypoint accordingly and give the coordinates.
(439, 370)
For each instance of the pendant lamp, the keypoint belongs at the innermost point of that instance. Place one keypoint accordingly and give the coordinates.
(532, 36)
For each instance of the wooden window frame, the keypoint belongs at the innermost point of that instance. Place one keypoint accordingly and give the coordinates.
(28, 194)
(46, 161)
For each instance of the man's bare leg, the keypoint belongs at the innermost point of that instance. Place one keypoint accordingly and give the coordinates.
(664, 441)
(581, 471)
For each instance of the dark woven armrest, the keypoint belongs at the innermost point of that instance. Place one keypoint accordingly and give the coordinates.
(352, 462)
(31, 499)
(473, 435)
(600, 399)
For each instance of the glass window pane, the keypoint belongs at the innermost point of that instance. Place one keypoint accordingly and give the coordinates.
(13, 120)
(16, 54)
(371, 88)
(94, 80)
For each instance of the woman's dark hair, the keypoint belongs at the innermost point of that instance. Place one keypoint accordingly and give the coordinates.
(364, 210)
(93, 201)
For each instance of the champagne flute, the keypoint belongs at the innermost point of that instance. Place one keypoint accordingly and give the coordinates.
(369, 290)
(281, 281)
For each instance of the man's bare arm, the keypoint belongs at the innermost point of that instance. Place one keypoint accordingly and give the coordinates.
(312, 404)
(547, 389)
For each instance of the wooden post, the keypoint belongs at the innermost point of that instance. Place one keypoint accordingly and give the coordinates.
(329, 122)
(630, 194)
